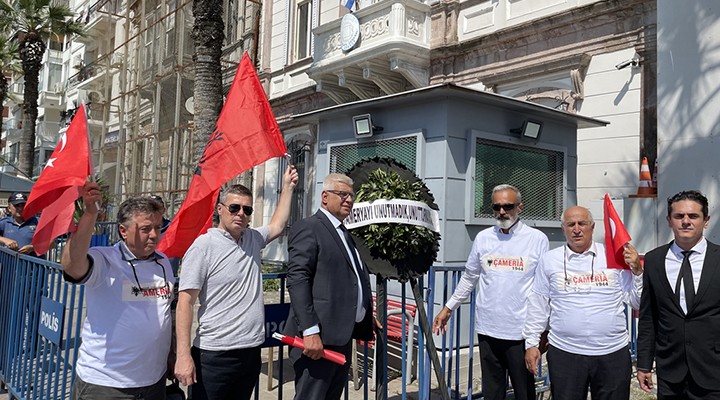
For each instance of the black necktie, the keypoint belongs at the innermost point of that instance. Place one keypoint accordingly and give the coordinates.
(685, 276)
(358, 267)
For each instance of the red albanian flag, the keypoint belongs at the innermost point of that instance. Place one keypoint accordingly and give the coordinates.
(246, 135)
(60, 184)
(616, 236)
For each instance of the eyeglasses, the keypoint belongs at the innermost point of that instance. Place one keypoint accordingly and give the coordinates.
(506, 207)
(235, 208)
(343, 195)
(136, 290)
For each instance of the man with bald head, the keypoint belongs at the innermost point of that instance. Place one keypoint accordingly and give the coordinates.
(582, 300)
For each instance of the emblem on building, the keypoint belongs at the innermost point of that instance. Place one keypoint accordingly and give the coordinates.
(349, 32)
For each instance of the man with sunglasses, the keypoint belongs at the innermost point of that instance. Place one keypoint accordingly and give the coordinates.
(330, 296)
(503, 260)
(583, 302)
(222, 268)
(127, 331)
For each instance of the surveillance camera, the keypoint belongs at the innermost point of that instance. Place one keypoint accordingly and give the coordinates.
(631, 62)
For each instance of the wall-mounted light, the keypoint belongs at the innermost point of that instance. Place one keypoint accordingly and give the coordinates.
(530, 130)
(363, 127)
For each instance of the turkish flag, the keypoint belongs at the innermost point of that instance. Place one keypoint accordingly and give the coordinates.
(60, 184)
(246, 135)
(616, 236)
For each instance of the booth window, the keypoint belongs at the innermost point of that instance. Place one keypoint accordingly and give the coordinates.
(537, 172)
(404, 150)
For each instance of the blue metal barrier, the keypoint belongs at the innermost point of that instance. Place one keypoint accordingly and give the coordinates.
(31, 365)
(34, 366)
(451, 349)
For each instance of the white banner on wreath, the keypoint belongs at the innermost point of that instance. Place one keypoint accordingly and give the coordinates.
(398, 211)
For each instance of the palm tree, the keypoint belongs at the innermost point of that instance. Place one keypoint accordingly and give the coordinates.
(34, 22)
(208, 36)
(9, 63)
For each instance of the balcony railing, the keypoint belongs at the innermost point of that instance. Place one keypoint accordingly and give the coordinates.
(391, 55)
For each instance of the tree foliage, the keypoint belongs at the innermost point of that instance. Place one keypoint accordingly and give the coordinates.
(9, 63)
(35, 22)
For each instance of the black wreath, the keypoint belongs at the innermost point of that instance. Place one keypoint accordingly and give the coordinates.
(412, 265)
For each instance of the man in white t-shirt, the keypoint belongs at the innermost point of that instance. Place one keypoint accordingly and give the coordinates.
(584, 303)
(222, 269)
(503, 260)
(127, 331)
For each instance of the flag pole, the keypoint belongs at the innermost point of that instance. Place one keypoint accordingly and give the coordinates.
(91, 167)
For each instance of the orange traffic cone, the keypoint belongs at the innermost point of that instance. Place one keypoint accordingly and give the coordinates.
(645, 186)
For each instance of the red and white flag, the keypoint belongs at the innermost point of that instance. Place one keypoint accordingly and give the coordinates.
(60, 184)
(246, 135)
(294, 341)
(616, 236)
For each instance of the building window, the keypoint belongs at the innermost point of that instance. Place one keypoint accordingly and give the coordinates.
(149, 59)
(537, 172)
(13, 153)
(303, 29)
(403, 150)
(169, 22)
(231, 21)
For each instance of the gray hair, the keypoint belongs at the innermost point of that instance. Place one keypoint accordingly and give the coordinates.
(330, 181)
(500, 188)
(240, 190)
(137, 205)
(590, 216)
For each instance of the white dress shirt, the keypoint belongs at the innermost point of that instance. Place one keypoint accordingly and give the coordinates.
(673, 261)
(360, 314)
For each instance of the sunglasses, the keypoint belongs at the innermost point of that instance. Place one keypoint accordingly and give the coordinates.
(235, 208)
(506, 207)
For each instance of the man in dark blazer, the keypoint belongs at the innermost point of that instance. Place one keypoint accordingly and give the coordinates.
(680, 307)
(330, 294)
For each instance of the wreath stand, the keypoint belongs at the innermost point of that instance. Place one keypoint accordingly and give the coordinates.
(405, 270)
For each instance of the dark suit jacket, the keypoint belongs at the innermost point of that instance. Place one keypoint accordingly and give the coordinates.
(322, 284)
(681, 343)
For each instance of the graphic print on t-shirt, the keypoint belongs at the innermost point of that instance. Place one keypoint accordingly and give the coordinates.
(507, 263)
(148, 291)
(586, 280)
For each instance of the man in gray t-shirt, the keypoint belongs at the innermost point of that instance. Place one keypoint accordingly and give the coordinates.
(222, 269)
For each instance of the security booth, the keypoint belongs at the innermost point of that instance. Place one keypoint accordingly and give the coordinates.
(461, 142)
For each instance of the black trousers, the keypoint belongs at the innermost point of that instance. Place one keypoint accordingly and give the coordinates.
(499, 358)
(607, 376)
(688, 389)
(320, 379)
(88, 391)
(228, 374)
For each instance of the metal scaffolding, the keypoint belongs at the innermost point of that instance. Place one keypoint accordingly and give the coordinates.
(135, 71)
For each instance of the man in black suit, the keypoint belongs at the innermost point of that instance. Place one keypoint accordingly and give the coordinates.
(329, 293)
(680, 307)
